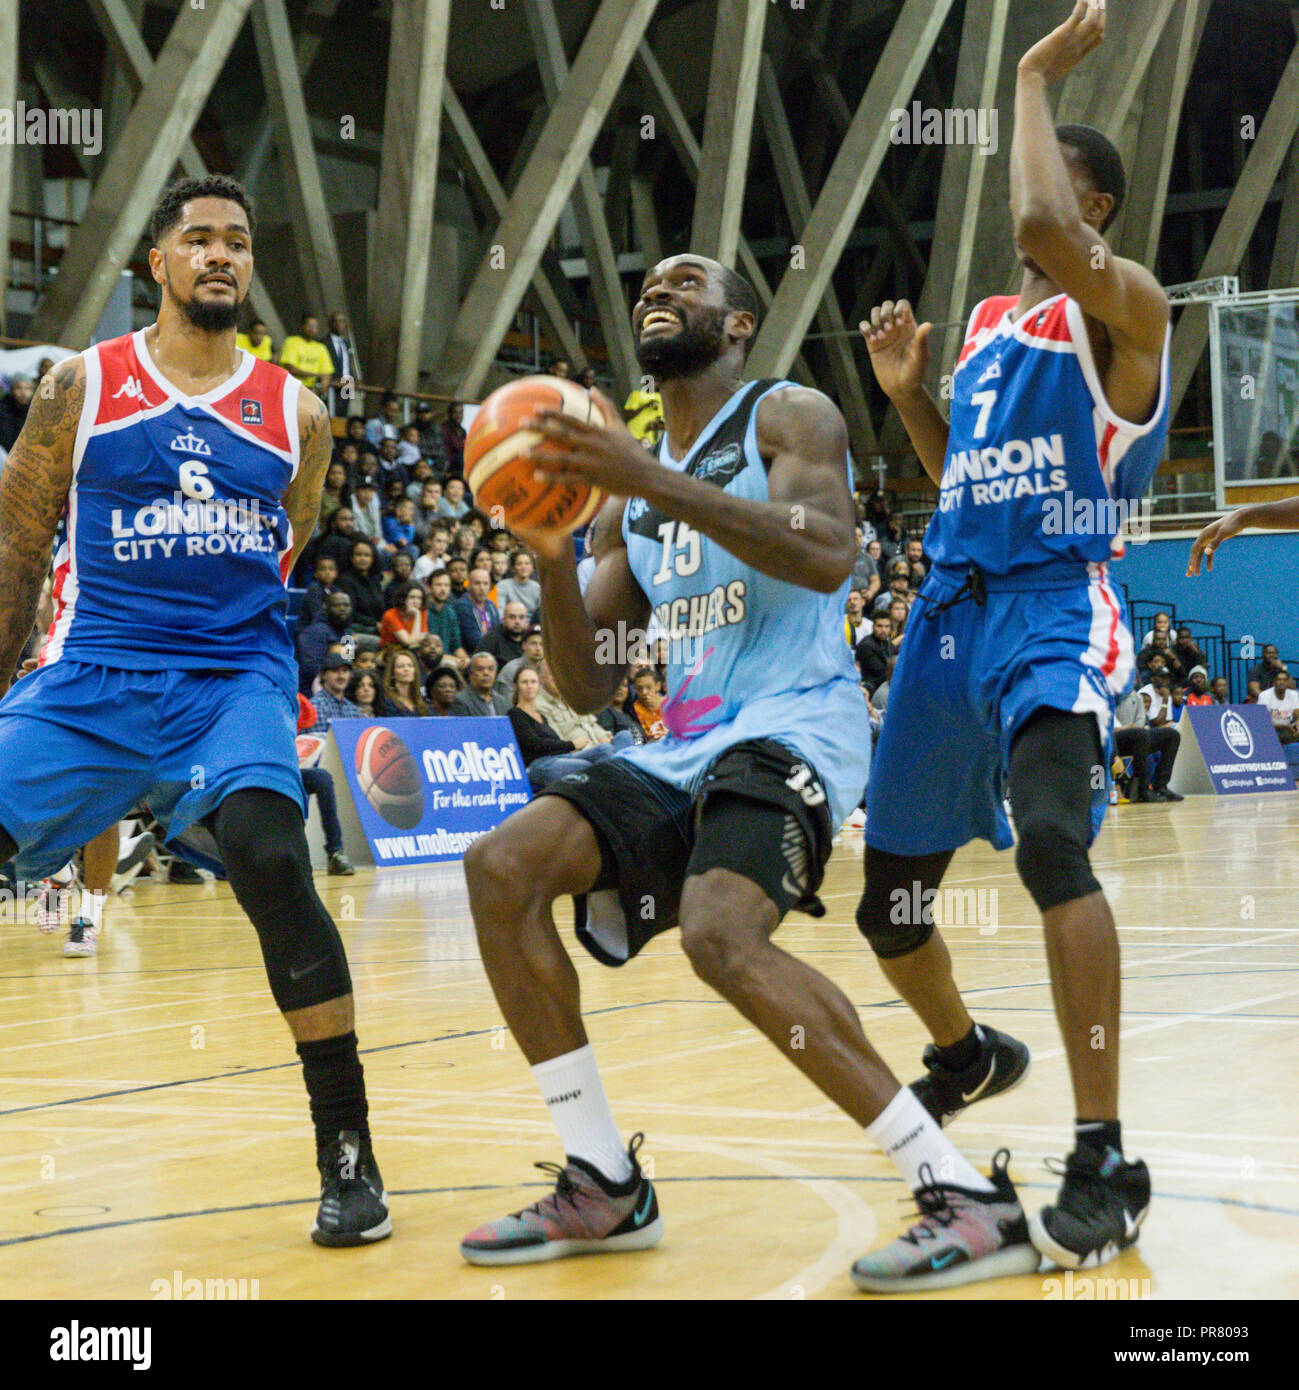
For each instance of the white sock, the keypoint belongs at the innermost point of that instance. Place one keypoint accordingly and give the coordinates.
(573, 1092)
(92, 907)
(909, 1137)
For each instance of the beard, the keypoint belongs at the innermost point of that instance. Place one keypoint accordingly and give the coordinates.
(207, 318)
(669, 357)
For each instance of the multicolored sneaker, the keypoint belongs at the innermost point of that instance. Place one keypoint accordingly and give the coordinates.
(1001, 1065)
(83, 939)
(1102, 1203)
(586, 1214)
(961, 1236)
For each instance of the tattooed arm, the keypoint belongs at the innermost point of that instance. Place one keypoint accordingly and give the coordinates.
(302, 497)
(34, 487)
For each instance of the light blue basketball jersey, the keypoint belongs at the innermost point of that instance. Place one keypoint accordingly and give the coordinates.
(750, 656)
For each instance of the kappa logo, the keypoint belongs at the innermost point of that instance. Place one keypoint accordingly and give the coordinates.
(130, 388)
(191, 443)
(250, 412)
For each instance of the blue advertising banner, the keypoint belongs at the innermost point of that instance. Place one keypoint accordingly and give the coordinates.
(1229, 749)
(425, 789)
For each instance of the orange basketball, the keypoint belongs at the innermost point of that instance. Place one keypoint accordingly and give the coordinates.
(501, 477)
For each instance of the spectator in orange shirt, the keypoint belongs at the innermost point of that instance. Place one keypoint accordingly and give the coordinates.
(405, 625)
(1198, 692)
(648, 703)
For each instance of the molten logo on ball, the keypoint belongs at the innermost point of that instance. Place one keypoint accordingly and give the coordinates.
(389, 778)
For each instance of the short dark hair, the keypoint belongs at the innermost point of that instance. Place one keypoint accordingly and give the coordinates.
(739, 294)
(167, 210)
(1103, 163)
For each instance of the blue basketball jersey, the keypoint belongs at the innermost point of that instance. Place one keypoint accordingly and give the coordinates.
(177, 547)
(1040, 473)
(750, 656)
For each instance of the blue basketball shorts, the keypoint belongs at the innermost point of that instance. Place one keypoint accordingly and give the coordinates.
(81, 746)
(966, 681)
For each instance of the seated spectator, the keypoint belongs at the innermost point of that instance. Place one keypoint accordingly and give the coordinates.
(336, 540)
(1282, 702)
(405, 626)
(400, 576)
(866, 567)
(533, 651)
(647, 703)
(875, 511)
(364, 691)
(334, 491)
(1265, 673)
(399, 529)
(464, 543)
(331, 701)
(505, 641)
(899, 616)
(478, 698)
(408, 448)
(386, 423)
(391, 469)
(1159, 646)
(426, 508)
(453, 440)
(306, 357)
(546, 755)
(559, 367)
(914, 550)
(402, 696)
(369, 516)
(453, 504)
(430, 436)
(435, 556)
(366, 658)
(875, 652)
(361, 581)
(481, 559)
(332, 625)
(367, 470)
(1187, 652)
(613, 718)
(1135, 738)
(1197, 692)
(499, 565)
(856, 625)
(324, 583)
(1218, 688)
(442, 617)
(1158, 698)
(521, 587)
(893, 538)
(14, 406)
(899, 588)
(477, 613)
(443, 691)
(1162, 624)
(354, 434)
(561, 716)
(432, 657)
(257, 341)
(458, 571)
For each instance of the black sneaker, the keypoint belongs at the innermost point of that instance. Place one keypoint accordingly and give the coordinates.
(1165, 795)
(1002, 1064)
(353, 1204)
(1102, 1203)
(181, 872)
(339, 863)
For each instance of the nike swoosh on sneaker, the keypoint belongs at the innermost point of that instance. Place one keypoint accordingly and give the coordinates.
(638, 1216)
(945, 1259)
(983, 1085)
(1131, 1228)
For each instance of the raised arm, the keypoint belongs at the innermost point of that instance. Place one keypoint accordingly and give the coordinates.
(1049, 225)
(899, 354)
(34, 486)
(302, 496)
(573, 625)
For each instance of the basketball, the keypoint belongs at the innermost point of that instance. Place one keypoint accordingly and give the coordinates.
(389, 778)
(499, 474)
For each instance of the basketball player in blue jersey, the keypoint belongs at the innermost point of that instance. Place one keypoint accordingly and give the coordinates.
(740, 538)
(190, 475)
(1018, 645)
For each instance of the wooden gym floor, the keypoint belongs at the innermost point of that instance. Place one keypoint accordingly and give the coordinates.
(154, 1119)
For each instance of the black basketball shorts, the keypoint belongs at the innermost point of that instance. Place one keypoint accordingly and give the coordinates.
(760, 812)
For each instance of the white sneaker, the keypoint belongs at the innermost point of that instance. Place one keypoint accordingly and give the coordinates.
(131, 860)
(856, 821)
(82, 939)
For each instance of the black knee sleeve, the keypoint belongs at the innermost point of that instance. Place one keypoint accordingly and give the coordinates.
(263, 846)
(1053, 766)
(896, 912)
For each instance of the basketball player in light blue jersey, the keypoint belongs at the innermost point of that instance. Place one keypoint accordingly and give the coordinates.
(1018, 645)
(189, 474)
(739, 536)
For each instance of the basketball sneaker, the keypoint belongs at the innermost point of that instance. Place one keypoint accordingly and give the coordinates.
(1102, 1203)
(83, 939)
(962, 1236)
(353, 1204)
(134, 851)
(52, 904)
(586, 1214)
(1002, 1064)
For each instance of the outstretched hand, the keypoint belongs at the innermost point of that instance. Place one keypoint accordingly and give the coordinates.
(1214, 535)
(1067, 45)
(899, 347)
